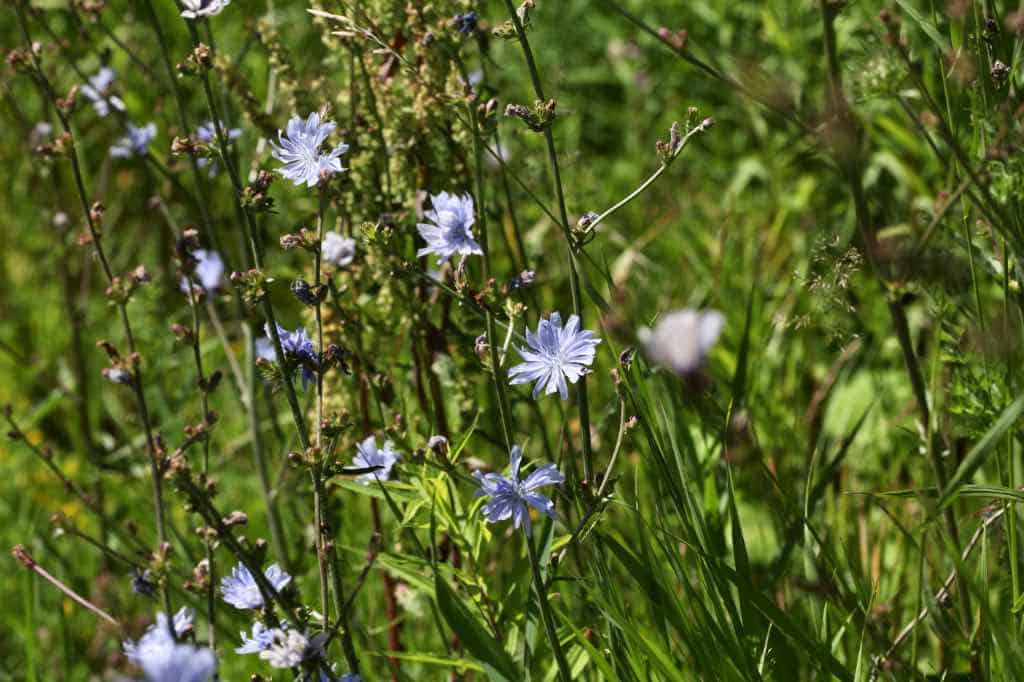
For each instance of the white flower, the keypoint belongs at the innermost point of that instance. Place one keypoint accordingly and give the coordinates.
(681, 340)
(195, 9)
(370, 456)
(555, 354)
(290, 648)
(299, 150)
(448, 232)
(340, 251)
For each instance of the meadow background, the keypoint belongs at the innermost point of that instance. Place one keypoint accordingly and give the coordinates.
(850, 448)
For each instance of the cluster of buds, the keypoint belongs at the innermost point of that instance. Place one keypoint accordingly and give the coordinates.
(891, 22)
(199, 60)
(187, 145)
(199, 583)
(252, 285)
(255, 197)
(91, 8)
(20, 59)
(60, 146)
(160, 563)
(304, 239)
(583, 230)
(308, 294)
(520, 282)
(487, 115)
(336, 423)
(67, 103)
(537, 119)
(121, 288)
(96, 216)
(379, 233)
(507, 30)
(121, 369)
(677, 39)
(1000, 73)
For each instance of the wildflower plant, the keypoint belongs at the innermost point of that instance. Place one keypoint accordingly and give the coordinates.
(266, 377)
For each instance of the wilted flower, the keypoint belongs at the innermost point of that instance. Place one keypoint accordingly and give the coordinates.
(299, 150)
(207, 133)
(194, 9)
(681, 340)
(452, 217)
(338, 250)
(135, 143)
(296, 346)
(97, 91)
(261, 639)
(370, 456)
(241, 591)
(555, 354)
(511, 497)
(209, 271)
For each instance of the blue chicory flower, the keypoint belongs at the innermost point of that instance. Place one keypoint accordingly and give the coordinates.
(162, 659)
(555, 354)
(157, 636)
(208, 273)
(451, 217)
(97, 91)
(369, 455)
(338, 250)
(135, 143)
(296, 346)
(512, 497)
(262, 638)
(207, 134)
(299, 150)
(466, 23)
(178, 663)
(240, 590)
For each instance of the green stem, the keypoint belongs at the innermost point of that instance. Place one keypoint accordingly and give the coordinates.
(545, 611)
(574, 279)
(497, 374)
(250, 228)
(94, 232)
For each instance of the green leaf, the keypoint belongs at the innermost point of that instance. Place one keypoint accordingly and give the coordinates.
(473, 635)
(929, 28)
(980, 452)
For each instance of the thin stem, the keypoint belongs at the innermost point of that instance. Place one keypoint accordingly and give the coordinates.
(22, 555)
(545, 611)
(574, 280)
(704, 125)
(204, 400)
(251, 234)
(504, 409)
(94, 233)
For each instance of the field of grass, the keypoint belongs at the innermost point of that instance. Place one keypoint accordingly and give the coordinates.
(795, 226)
